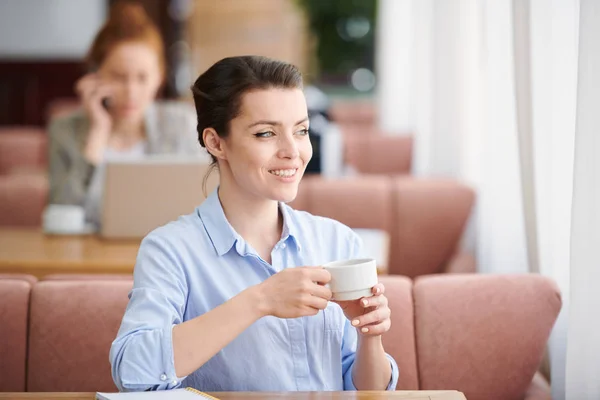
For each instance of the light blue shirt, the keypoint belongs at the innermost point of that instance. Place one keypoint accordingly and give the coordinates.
(190, 266)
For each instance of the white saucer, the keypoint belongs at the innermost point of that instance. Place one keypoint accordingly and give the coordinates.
(88, 229)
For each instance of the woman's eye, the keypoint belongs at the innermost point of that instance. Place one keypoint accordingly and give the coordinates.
(264, 134)
(302, 132)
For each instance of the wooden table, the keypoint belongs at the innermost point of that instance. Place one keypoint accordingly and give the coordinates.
(379, 395)
(32, 252)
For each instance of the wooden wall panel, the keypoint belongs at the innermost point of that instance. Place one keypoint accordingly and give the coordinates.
(274, 28)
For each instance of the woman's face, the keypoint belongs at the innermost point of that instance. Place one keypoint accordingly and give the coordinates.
(132, 69)
(268, 148)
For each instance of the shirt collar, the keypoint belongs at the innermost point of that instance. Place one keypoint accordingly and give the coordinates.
(290, 224)
(221, 233)
(224, 237)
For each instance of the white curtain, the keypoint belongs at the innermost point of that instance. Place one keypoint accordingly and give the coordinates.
(554, 41)
(583, 350)
(463, 117)
(494, 87)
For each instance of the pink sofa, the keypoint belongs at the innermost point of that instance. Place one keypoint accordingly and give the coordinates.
(378, 153)
(22, 147)
(425, 218)
(481, 334)
(23, 182)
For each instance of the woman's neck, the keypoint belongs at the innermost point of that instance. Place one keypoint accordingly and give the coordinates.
(257, 220)
(126, 133)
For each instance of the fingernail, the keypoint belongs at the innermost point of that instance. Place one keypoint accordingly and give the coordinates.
(355, 322)
(377, 290)
(365, 302)
(364, 330)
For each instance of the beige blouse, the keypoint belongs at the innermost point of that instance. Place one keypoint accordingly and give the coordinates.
(170, 129)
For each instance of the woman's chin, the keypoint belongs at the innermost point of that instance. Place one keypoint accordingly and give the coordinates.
(285, 195)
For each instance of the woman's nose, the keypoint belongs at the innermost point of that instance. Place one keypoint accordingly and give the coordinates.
(288, 148)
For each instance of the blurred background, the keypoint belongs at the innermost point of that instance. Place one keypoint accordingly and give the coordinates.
(465, 130)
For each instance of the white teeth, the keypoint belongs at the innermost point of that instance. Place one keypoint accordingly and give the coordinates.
(284, 172)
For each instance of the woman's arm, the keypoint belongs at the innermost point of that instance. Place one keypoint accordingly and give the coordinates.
(372, 369)
(366, 365)
(214, 329)
(69, 171)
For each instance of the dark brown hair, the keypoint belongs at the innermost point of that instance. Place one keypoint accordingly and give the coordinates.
(128, 22)
(218, 91)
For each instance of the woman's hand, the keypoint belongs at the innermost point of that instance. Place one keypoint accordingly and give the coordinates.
(295, 292)
(370, 315)
(92, 90)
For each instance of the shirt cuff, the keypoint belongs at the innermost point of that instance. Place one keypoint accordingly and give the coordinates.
(168, 377)
(349, 384)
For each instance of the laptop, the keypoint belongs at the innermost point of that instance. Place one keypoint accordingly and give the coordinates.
(144, 194)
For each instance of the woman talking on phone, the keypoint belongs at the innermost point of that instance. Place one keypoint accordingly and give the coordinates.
(232, 297)
(120, 118)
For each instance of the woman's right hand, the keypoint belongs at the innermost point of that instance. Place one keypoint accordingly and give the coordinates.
(295, 292)
(92, 91)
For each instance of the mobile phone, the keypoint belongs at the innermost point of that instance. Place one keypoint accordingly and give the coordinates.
(106, 101)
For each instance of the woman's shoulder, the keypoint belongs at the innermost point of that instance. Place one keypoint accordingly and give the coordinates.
(177, 232)
(317, 226)
(68, 127)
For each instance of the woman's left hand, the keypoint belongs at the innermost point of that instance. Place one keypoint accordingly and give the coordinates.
(370, 315)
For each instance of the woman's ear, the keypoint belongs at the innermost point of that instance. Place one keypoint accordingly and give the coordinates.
(213, 143)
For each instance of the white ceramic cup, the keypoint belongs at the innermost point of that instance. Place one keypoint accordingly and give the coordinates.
(352, 279)
(64, 219)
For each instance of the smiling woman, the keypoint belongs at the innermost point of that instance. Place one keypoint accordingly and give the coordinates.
(233, 296)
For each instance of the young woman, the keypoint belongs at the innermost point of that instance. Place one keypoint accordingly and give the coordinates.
(120, 118)
(231, 297)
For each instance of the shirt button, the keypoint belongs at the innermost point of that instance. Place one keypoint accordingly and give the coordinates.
(175, 382)
(283, 245)
(163, 377)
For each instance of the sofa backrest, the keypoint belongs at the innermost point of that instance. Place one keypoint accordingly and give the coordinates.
(72, 326)
(22, 199)
(484, 335)
(379, 153)
(14, 309)
(399, 341)
(430, 217)
(425, 218)
(22, 147)
(481, 334)
(359, 202)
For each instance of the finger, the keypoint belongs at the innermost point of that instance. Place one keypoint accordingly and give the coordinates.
(378, 289)
(316, 302)
(322, 292)
(99, 94)
(375, 301)
(377, 329)
(86, 84)
(318, 274)
(373, 317)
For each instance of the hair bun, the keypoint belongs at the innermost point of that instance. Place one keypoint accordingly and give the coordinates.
(128, 14)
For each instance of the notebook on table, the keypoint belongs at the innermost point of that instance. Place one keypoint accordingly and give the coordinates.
(175, 394)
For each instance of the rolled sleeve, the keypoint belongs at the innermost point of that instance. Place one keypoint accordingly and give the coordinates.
(349, 344)
(142, 355)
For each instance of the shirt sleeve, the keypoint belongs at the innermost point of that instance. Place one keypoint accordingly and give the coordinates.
(350, 338)
(141, 356)
(69, 171)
